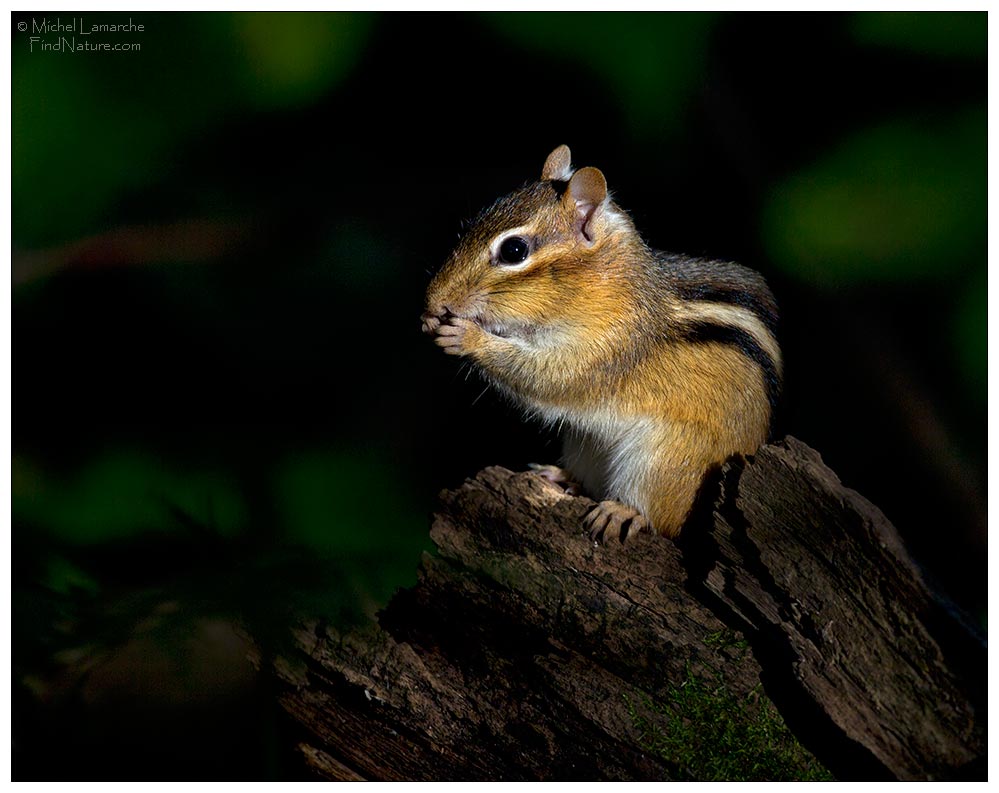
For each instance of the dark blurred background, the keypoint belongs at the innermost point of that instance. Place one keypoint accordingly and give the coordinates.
(224, 412)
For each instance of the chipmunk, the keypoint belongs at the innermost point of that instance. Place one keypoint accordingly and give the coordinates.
(657, 366)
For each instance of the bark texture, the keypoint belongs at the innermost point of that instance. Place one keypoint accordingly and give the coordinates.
(526, 652)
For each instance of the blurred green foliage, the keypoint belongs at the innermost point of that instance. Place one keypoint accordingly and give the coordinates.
(77, 143)
(65, 577)
(123, 494)
(893, 203)
(342, 500)
(651, 63)
(960, 35)
(288, 59)
(902, 201)
(83, 138)
(971, 337)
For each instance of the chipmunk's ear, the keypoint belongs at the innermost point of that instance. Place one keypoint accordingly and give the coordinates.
(588, 192)
(558, 166)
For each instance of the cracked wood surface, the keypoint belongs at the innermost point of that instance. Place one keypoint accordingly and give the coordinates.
(821, 576)
(526, 652)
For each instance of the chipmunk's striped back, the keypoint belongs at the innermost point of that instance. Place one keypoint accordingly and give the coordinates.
(726, 303)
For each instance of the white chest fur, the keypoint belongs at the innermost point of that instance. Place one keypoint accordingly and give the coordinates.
(611, 456)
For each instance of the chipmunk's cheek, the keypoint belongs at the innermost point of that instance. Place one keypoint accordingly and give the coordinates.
(499, 331)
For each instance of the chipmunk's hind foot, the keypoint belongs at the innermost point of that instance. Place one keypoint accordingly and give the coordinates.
(614, 519)
(558, 476)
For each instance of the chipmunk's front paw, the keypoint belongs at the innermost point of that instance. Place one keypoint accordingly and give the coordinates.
(430, 322)
(558, 476)
(456, 335)
(612, 518)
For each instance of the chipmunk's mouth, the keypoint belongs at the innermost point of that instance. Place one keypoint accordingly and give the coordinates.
(433, 318)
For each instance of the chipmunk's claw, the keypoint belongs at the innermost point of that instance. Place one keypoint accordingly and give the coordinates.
(557, 476)
(612, 518)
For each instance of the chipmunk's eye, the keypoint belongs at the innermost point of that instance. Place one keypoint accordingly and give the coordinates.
(514, 250)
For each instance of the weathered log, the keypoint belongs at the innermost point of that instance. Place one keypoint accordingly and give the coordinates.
(822, 580)
(525, 651)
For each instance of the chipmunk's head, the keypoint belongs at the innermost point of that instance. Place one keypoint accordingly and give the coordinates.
(525, 260)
